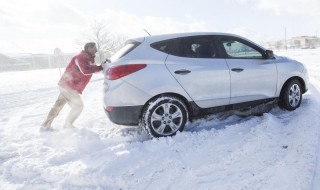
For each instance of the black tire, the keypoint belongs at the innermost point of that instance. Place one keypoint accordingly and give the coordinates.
(164, 116)
(291, 95)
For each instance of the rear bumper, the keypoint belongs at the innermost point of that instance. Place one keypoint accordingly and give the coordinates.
(124, 115)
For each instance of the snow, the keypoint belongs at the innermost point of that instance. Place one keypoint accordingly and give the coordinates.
(278, 150)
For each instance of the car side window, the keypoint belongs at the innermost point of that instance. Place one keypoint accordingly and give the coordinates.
(189, 47)
(236, 49)
(197, 47)
(163, 46)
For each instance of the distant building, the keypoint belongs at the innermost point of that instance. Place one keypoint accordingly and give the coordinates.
(305, 42)
(13, 64)
(21, 62)
(299, 42)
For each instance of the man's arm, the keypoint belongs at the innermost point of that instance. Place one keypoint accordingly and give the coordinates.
(85, 68)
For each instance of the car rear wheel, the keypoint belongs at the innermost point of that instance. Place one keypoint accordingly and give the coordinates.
(164, 116)
(292, 95)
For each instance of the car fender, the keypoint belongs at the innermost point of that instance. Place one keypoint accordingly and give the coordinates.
(287, 68)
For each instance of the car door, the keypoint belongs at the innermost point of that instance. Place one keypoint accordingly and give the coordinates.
(252, 76)
(196, 64)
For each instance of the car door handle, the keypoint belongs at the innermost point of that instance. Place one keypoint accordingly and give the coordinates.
(182, 72)
(237, 70)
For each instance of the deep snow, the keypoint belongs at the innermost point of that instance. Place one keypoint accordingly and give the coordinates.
(279, 150)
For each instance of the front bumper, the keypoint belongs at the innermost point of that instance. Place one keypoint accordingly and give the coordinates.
(124, 115)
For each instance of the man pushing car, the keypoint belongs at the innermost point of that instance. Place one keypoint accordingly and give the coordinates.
(71, 85)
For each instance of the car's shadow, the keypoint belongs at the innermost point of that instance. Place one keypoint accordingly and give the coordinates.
(221, 120)
(218, 121)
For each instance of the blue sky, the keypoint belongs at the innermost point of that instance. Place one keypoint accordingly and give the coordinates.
(39, 26)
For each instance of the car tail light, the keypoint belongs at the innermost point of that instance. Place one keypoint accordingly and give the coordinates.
(117, 72)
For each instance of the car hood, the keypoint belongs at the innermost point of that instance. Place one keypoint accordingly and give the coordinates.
(283, 59)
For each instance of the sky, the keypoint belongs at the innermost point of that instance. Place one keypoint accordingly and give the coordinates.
(40, 26)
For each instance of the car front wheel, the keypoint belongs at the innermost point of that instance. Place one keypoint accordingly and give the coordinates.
(164, 116)
(291, 96)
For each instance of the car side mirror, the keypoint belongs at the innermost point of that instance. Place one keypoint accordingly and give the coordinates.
(269, 54)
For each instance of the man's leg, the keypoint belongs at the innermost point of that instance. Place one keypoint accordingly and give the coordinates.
(75, 102)
(54, 112)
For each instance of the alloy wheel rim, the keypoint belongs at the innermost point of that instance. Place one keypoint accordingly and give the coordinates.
(294, 95)
(166, 119)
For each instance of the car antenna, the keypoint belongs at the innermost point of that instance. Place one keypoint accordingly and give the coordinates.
(147, 32)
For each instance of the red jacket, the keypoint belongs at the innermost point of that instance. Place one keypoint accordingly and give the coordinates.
(79, 72)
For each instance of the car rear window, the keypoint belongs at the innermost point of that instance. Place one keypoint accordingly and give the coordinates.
(125, 50)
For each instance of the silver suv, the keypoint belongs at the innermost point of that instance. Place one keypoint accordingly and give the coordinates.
(160, 82)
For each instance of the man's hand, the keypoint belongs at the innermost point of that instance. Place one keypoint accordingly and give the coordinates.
(105, 62)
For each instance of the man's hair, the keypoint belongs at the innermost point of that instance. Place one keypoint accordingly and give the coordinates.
(89, 44)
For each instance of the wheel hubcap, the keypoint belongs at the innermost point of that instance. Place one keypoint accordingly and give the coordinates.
(166, 119)
(294, 95)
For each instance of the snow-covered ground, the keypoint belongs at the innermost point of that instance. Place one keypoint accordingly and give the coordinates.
(279, 150)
